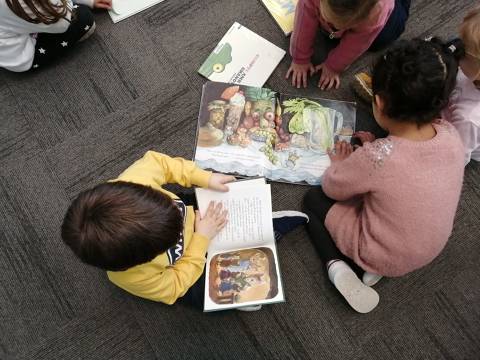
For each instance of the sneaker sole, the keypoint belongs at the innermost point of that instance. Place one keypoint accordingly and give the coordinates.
(289, 213)
(250, 308)
(360, 297)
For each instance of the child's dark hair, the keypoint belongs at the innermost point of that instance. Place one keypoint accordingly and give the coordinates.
(118, 225)
(39, 11)
(414, 78)
(352, 9)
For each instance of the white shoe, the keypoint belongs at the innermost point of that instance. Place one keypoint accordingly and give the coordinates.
(361, 298)
(250, 308)
(371, 279)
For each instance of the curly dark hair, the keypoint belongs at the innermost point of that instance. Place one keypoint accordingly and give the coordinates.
(414, 78)
(118, 225)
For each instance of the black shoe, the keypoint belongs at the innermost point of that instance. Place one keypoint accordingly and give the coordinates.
(286, 221)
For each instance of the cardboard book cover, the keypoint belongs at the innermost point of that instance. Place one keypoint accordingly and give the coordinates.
(242, 57)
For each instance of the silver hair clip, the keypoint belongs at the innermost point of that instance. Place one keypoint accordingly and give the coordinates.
(452, 48)
(428, 38)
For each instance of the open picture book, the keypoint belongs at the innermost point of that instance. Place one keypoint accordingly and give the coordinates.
(250, 131)
(242, 57)
(242, 263)
(283, 12)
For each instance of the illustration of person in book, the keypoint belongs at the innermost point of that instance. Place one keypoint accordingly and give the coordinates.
(242, 276)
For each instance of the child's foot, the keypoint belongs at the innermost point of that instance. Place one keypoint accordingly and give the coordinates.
(286, 221)
(362, 85)
(250, 308)
(370, 279)
(361, 298)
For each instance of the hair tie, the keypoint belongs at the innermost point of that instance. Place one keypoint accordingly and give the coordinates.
(444, 66)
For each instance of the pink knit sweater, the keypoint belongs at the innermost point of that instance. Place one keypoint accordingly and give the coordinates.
(354, 41)
(396, 200)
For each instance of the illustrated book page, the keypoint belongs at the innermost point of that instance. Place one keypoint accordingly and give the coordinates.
(242, 264)
(242, 57)
(251, 131)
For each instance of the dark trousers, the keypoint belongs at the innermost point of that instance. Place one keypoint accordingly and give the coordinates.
(196, 294)
(316, 206)
(50, 47)
(394, 27)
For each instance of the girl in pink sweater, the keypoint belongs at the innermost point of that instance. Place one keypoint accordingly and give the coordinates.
(388, 207)
(355, 26)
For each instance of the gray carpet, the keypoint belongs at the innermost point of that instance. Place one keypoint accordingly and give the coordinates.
(132, 87)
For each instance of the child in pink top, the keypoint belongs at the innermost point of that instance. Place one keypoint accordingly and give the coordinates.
(388, 207)
(463, 110)
(359, 25)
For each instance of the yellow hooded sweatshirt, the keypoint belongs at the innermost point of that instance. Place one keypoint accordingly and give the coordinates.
(164, 279)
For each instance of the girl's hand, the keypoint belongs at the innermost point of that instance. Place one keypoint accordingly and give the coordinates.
(364, 136)
(299, 74)
(217, 182)
(102, 4)
(212, 222)
(328, 78)
(341, 152)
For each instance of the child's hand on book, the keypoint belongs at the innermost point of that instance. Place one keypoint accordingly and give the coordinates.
(212, 222)
(217, 182)
(364, 136)
(102, 4)
(329, 79)
(341, 152)
(300, 74)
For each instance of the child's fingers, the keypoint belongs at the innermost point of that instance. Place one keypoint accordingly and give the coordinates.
(304, 78)
(331, 83)
(210, 209)
(228, 179)
(289, 71)
(218, 209)
(294, 77)
(312, 70)
(222, 224)
(222, 217)
(298, 79)
(337, 80)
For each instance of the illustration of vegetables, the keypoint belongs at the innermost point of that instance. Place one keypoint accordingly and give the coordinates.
(261, 98)
(310, 117)
(269, 137)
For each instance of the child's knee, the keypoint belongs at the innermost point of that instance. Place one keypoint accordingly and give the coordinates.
(84, 16)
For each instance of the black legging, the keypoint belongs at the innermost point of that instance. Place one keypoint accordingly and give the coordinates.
(316, 206)
(49, 46)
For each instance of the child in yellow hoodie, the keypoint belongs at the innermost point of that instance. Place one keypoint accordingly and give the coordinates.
(151, 242)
